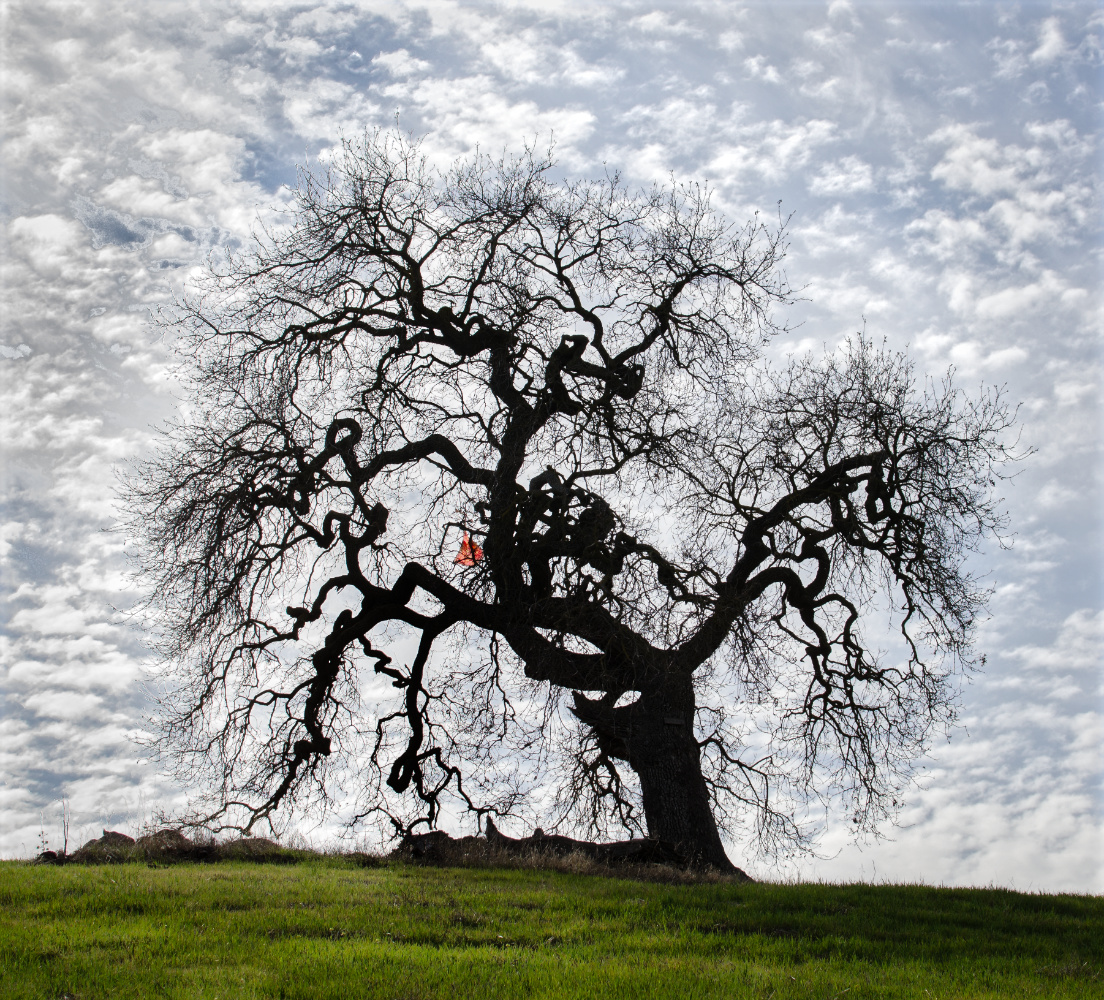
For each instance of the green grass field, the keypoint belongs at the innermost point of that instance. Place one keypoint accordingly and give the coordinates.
(328, 929)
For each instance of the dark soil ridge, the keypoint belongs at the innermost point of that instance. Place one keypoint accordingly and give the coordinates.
(438, 848)
(641, 858)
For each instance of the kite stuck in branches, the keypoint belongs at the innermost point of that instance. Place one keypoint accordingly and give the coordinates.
(470, 553)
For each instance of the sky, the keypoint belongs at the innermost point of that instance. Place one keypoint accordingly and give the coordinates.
(941, 164)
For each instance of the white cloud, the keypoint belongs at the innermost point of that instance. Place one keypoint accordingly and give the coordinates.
(972, 358)
(55, 704)
(829, 38)
(771, 149)
(325, 109)
(1079, 647)
(1055, 494)
(659, 22)
(758, 68)
(945, 236)
(849, 175)
(400, 63)
(680, 121)
(467, 112)
(1052, 45)
(730, 41)
(838, 234)
(528, 58)
(978, 164)
(842, 10)
(1009, 55)
(1046, 293)
(1035, 192)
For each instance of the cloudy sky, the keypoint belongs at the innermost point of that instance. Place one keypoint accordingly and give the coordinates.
(941, 164)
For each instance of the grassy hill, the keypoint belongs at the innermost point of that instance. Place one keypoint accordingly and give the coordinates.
(331, 929)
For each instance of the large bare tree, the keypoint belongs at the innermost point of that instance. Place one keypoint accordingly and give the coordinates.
(487, 496)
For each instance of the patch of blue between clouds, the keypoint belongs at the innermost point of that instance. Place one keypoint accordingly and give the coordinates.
(113, 228)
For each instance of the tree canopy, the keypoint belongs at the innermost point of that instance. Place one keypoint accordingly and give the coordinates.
(489, 498)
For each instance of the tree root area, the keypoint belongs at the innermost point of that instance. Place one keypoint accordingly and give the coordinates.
(438, 848)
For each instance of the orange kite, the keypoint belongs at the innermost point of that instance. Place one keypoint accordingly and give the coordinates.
(470, 553)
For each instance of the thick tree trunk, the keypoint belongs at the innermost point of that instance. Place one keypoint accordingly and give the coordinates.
(667, 759)
(655, 735)
(676, 802)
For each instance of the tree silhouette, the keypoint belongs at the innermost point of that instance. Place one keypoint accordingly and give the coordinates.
(514, 448)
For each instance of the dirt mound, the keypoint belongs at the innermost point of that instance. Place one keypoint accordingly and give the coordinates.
(113, 839)
(165, 840)
(171, 845)
(168, 846)
(111, 847)
(164, 845)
